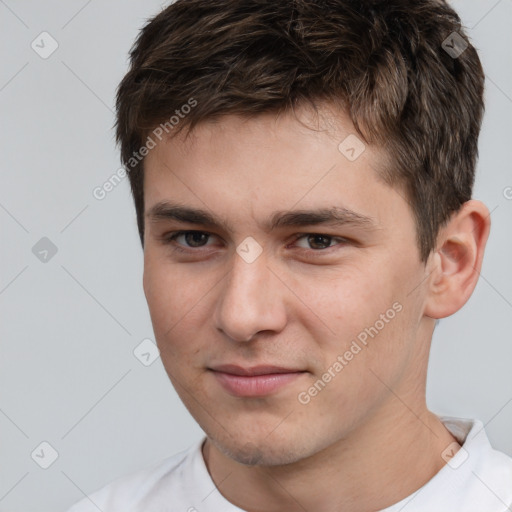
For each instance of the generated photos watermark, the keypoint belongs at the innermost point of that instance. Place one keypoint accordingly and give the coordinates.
(100, 192)
(305, 397)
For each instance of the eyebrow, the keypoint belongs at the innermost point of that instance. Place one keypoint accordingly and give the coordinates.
(334, 216)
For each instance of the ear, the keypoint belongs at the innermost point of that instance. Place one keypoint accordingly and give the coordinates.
(456, 262)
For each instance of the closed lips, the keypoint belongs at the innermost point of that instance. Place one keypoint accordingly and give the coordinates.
(255, 370)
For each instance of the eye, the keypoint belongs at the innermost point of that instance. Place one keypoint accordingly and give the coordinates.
(191, 239)
(318, 242)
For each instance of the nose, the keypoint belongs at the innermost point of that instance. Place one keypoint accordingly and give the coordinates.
(251, 300)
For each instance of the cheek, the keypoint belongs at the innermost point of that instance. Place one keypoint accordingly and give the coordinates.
(162, 301)
(344, 300)
(178, 300)
(363, 372)
(365, 315)
(167, 296)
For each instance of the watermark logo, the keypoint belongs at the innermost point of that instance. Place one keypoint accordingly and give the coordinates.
(249, 250)
(44, 45)
(44, 250)
(454, 455)
(352, 147)
(146, 352)
(454, 45)
(44, 455)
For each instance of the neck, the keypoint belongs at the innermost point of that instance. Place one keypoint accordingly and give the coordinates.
(376, 465)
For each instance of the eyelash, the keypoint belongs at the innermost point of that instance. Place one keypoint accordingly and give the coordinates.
(171, 237)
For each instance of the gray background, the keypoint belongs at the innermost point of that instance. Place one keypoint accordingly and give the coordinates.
(68, 375)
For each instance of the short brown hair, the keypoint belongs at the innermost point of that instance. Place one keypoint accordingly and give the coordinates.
(387, 63)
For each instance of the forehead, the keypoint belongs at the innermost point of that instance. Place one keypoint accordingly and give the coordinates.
(301, 130)
(293, 161)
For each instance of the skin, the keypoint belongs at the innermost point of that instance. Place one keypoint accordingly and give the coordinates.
(367, 440)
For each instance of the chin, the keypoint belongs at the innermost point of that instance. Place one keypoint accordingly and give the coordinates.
(260, 452)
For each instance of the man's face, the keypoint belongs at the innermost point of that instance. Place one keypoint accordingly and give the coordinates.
(303, 303)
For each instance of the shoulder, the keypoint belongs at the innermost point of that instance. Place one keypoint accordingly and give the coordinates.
(477, 477)
(126, 492)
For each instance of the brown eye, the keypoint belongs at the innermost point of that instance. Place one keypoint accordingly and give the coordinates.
(191, 239)
(318, 242)
(196, 238)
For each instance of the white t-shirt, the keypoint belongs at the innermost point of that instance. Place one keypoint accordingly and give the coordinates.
(476, 479)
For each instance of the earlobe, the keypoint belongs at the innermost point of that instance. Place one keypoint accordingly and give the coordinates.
(457, 260)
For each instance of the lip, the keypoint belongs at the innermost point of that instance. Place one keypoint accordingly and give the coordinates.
(234, 369)
(257, 381)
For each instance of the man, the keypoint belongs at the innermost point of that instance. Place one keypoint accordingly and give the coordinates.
(302, 173)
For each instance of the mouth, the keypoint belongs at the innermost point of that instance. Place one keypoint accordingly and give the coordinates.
(257, 381)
